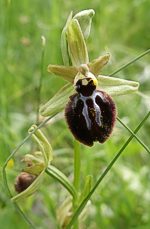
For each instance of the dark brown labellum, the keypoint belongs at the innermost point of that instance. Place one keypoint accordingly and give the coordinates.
(91, 118)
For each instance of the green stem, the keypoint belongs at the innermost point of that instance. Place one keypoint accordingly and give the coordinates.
(137, 138)
(77, 165)
(84, 202)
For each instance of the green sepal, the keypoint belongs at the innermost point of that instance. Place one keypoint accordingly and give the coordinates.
(85, 20)
(76, 44)
(116, 86)
(64, 44)
(57, 103)
(66, 72)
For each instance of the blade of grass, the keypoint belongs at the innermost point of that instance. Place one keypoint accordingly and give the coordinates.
(61, 178)
(84, 202)
(137, 138)
(24, 216)
(77, 164)
(130, 62)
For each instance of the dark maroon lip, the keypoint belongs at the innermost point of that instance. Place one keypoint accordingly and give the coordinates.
(91, 118)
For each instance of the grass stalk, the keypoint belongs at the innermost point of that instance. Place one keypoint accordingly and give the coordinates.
(137, 138)
(130, 62)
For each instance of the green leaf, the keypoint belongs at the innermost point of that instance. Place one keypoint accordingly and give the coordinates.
(58, 175)
(76, 44)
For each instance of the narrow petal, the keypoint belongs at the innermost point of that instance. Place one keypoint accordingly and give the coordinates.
(96, 65)
(67, 73)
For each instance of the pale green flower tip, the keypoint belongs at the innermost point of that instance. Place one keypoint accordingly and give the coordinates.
(51, 68)
(85, 19)
(85, 13)
(105, 59)
(91, 12)
(64, 44)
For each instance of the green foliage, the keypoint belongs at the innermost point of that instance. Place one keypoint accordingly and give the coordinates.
(120, 27)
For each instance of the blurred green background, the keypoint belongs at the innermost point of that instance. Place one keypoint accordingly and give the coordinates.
(123, 29)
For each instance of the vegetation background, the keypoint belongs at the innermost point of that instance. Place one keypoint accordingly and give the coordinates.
(120, 27)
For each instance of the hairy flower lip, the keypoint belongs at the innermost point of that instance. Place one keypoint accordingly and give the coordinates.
(83, 122)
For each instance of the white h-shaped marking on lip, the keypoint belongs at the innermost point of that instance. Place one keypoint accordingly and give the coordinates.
(96, 108)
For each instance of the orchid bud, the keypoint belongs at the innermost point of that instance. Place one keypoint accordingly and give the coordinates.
(85, 20)
(23, 181)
